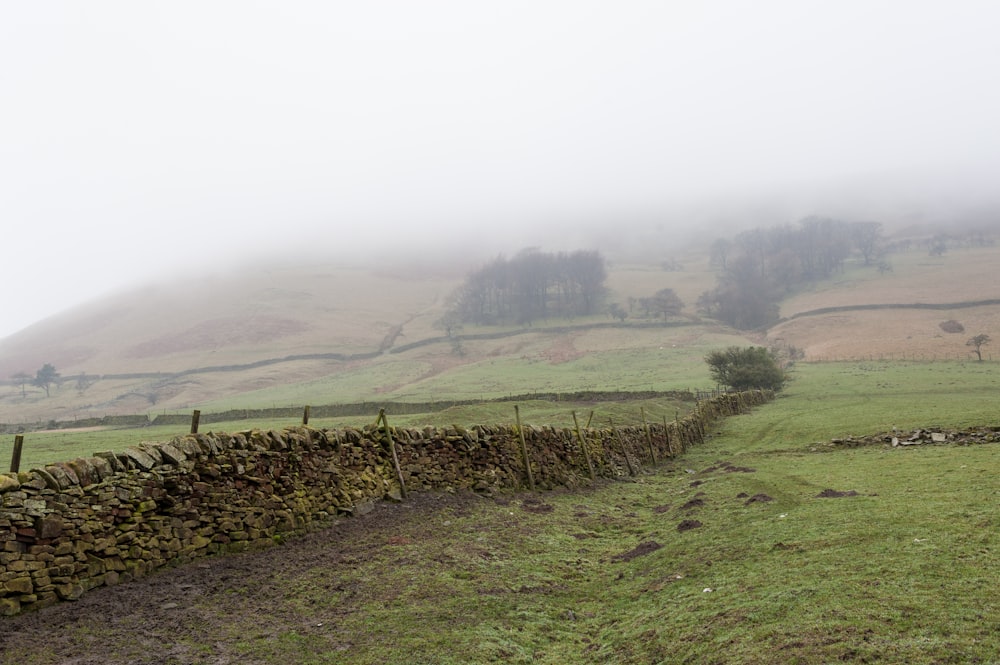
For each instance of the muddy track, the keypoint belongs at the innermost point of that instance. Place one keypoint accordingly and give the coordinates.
(198, 613)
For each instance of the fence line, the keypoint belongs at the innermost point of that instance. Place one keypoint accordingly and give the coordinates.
(898, 357)
(361, 409)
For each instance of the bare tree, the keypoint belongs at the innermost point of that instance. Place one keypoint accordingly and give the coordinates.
(719, 252)
(977, 344)
(667, 303)
(867, 238)
(616, 311)
(22, 378)
(938, 245)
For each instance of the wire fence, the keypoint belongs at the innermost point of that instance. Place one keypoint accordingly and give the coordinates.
(903, 356)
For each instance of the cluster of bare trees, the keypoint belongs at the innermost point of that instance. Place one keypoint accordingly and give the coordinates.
(531, 286)
(664, 303)
(761, 266)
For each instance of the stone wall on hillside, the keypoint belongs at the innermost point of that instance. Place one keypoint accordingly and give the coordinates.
(106, 519)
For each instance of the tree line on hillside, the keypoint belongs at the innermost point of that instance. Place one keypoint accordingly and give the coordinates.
(756, 268)
(759, 267)
(532, 285)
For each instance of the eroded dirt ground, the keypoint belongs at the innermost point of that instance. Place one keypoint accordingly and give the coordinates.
(198, 613)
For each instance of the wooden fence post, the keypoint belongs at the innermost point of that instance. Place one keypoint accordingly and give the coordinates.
(666, 433)
(649, 435)
(15, 458)
(195, 417)
(392, 447)
(621, 442)
(583, 446)
(524, 449)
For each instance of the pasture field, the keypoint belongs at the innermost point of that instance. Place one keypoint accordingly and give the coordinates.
(759, 546)
(668, 358)
(957, 276)
(900, 569)
(825, 400)
(227, 345)
(47, 446)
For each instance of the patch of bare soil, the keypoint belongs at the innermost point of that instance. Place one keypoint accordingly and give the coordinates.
(835, 494)
(641, 549)
(534, 505)
(189, 615)
(687, 525)
(758, 498)
(562, 350)
(727, 467)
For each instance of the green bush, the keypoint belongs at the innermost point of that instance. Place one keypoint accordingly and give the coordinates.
(746, 368)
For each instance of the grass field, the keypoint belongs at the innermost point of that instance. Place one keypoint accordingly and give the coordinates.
(903, 571)
(758, 546)
(197, 344)
(44, 447)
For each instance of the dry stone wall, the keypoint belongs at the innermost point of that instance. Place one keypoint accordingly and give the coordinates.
(106, 519)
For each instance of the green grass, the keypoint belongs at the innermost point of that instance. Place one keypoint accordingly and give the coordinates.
(628, 359)
(905, 571)
(837, 399)
(41, 448)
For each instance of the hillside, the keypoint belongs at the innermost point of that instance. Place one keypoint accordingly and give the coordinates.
(960, 276)
(226, 320)
(290, 335)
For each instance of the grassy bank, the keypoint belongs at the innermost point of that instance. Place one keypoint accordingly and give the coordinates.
(756, 547)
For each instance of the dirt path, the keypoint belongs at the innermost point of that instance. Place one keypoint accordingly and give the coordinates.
(198, 613)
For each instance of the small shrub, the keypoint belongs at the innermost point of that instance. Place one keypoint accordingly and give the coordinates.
(746, 368)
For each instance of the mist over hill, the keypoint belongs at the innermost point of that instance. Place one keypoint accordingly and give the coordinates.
(300, 321)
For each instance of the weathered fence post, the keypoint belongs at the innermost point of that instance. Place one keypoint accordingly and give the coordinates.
(666, 433)
(392, 447)
(195, 417)
(699, 423)
(583, 446)
(524, 449)
(649, 435)
(305, 415)
(15, 458)
(621, 442)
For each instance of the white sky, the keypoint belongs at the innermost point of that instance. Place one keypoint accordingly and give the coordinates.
(140, 138)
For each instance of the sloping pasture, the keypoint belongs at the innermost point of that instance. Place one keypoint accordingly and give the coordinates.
(764, 544)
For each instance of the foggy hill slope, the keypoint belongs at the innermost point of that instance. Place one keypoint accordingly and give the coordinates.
(959, 277)
(229, 319)
(313, 333)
